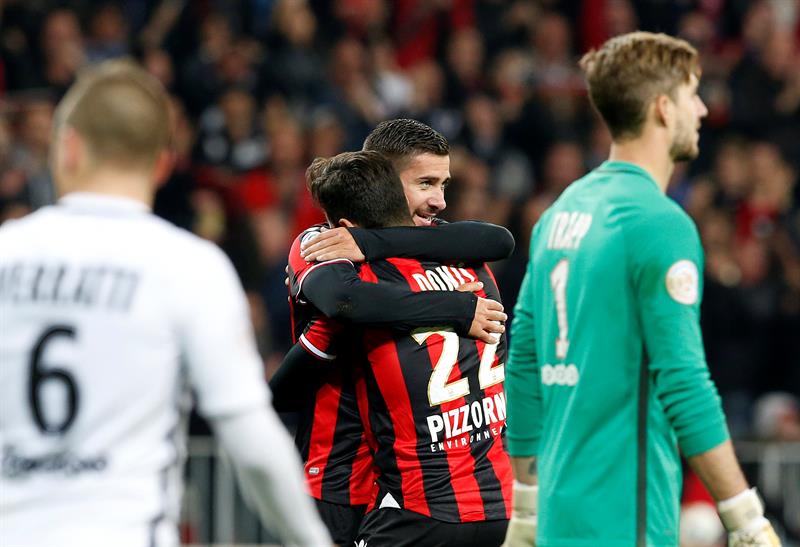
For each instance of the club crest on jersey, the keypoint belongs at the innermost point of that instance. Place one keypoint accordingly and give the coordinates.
(683, 281)
(310, 234)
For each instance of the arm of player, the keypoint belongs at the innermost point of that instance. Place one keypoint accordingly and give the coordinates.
(666, 273)
(523, 417)
(467, 242)
(226, 372)
(739, 507)
(340, 294)
(522, 381)
(666, 265)
(521, 530)
(297, 376)
(268, 469)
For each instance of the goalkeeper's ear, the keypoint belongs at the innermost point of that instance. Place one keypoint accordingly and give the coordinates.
(346, 223)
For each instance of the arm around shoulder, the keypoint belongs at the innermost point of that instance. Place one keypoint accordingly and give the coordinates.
(465, 241)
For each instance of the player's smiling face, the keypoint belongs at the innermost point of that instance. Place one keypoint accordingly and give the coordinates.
(424, 178)
(690, 110)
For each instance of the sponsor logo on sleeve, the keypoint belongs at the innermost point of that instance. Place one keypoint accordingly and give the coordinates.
(682, 282)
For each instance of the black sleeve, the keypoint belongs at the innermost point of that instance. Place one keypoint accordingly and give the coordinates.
(340, 294)
(468, 241)
(297, 379)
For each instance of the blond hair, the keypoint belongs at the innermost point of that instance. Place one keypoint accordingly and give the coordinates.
(629, 71)
(120, 111)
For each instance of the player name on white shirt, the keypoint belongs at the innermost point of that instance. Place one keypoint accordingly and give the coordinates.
(60, 284)
(108, 316)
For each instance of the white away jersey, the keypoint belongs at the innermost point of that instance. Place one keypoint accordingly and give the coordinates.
(107, 316)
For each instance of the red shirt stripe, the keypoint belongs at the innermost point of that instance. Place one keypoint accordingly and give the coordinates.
(326, 407)
(389, 378)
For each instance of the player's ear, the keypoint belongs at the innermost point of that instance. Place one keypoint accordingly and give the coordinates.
(71, 150)
(346, 223)
(165, 162)
(662, 110)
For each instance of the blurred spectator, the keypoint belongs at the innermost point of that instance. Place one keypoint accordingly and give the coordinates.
(557, 80)
(159, 64)
(108, 33)
(326, 137)
(511, 176)
(361, 18)
(766, 83)
(427, 100)
(351, 96)
(294, 67)
(464, 68)
(771, 192)
(27, 180)
(276, 194)
(202, 77)
(393, 87)
(777, 417)
(563, 164)
(420, 24)
(600, 20)
(62, 49)
(230, 137)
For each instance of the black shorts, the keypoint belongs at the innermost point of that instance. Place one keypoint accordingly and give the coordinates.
(390, 527)
(342, 520)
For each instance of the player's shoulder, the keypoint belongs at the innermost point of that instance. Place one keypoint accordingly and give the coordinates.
(296, 261)
(309, 233)
(179, 245)
(661, 227)
(18, 231)
(660, 212)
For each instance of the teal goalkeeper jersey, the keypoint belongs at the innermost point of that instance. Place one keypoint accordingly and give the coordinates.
(606, 379)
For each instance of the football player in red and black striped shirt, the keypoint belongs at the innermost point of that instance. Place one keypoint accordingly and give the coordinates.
(330, 437)
(431, 400)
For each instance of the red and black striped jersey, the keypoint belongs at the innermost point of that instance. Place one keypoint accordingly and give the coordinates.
(433, 407)
(338, 464)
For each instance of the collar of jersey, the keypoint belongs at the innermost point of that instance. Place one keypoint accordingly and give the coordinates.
(93, 202)
(624, 166)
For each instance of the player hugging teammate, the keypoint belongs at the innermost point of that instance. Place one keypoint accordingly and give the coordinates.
(406, 423)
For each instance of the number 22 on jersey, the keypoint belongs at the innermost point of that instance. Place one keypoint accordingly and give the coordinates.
(439, 391)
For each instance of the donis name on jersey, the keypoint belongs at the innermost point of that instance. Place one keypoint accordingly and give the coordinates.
(467, 424)
(101, 286)
(443, 278)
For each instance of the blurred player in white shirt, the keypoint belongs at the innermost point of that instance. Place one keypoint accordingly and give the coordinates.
(108, 317)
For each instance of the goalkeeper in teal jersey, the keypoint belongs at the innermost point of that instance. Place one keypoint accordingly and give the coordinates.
(606, 379)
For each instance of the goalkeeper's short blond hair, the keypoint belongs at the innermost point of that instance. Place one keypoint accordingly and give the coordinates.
(629, 71)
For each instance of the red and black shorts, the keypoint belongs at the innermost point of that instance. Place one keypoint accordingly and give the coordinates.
(389, 527)
(342, 521)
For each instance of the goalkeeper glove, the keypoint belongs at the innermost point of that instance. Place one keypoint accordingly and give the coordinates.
(522, 526)
(743, 518)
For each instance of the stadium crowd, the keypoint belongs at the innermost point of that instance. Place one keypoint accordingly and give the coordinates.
(261, 87)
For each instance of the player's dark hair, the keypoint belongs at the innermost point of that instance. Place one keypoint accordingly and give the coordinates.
(401, 139)
(362, 187)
